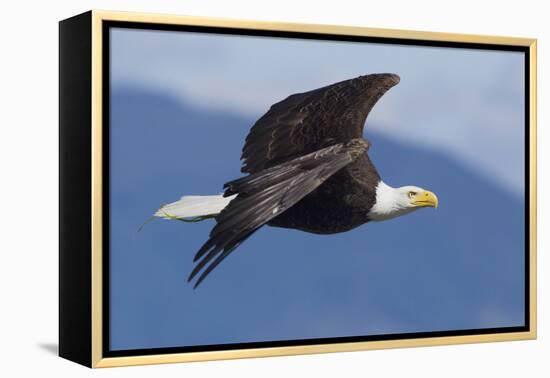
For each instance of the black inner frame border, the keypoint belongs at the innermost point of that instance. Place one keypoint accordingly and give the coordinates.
(106, 27)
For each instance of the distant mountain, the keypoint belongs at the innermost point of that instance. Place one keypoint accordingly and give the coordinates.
(457, 267)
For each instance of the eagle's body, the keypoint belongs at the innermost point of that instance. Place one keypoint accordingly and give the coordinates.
(308, 169)
(337, 205)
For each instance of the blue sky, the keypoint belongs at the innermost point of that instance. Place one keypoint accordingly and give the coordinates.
(461, 100)
(182, 104)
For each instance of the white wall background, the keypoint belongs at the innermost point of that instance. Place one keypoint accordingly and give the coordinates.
(28, 189)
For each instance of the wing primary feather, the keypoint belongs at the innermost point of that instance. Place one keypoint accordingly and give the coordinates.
(218, 260)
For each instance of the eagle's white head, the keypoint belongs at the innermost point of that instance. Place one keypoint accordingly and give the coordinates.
(393, 202)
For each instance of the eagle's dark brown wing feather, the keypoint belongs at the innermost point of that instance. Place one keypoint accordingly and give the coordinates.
(289, 152)
(310, 121)
(266, 194)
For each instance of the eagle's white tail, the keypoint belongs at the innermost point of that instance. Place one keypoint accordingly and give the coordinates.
(194, 206)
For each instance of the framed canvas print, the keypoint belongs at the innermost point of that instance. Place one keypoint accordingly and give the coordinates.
(236, 189)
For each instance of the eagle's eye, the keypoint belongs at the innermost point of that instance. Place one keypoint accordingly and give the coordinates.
(412, 194)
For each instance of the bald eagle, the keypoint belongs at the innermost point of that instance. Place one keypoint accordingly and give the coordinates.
(307, 168)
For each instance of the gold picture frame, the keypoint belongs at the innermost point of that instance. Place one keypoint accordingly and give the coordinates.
(81, 255)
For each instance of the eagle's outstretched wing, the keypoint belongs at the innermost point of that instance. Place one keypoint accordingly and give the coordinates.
(307, 122)
(266, 194)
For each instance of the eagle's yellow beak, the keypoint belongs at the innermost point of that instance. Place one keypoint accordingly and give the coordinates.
(425, 198)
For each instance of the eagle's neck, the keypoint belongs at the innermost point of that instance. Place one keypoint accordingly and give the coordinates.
(388, 204)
